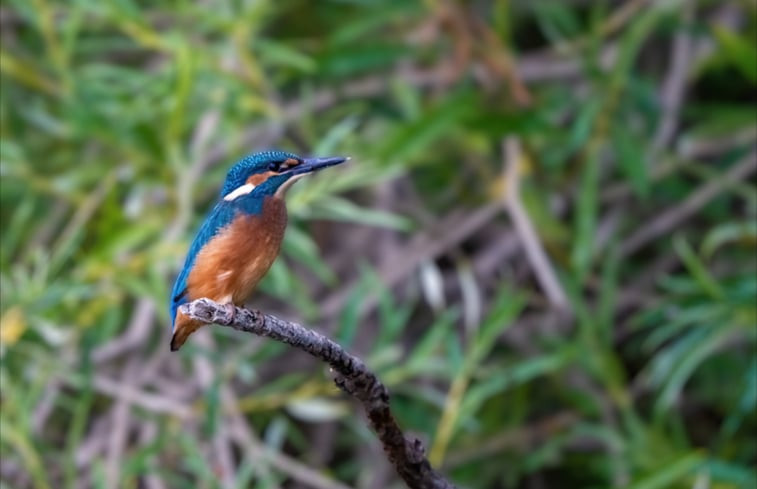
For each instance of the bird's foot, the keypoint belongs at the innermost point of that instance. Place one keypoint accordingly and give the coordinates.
(231, 313)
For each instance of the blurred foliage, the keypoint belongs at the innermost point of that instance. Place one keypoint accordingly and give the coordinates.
(120, 118)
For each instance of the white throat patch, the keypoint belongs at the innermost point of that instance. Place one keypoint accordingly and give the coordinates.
(239, 191)
(288, 184)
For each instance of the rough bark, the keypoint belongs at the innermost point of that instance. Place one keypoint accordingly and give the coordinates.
(406, 454)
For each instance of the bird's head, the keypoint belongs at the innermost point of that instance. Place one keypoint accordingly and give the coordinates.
(270, 173)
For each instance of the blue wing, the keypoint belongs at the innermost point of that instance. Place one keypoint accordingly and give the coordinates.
(219, 217)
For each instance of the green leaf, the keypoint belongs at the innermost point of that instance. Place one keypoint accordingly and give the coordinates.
(670, 472)
(393, 317)
(586, 218)
(740, 51)
(355, 59)
(510, 377)
(280, 55)
(301, 247)
(697, 269)
(558, 21)
(433, 340)
(349, 321)
(630, 155)
(730, 232)
(337, 134)
(688, 354)
(407, 141)
(343, 210)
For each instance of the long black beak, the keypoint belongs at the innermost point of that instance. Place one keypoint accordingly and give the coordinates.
(309, 165)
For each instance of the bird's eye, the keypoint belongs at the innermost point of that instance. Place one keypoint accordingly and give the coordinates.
(274, 166)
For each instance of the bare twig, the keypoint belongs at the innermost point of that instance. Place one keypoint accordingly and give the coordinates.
(532, 246)
(118, 436)
(261, 456)
(707, 147)
(150, 401)
(520, 438)
(446, 233)
(407, 455)
(673, 217)
(134, 335)
(220, 451)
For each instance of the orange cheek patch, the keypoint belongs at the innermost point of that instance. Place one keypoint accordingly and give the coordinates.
(289, 163)
(259, 178)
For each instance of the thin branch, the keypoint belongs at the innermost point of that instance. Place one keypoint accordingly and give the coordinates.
(671, 218)
(438, 239)
(262, 456)
(118, 436)
(407, 455)
(532, 245)
(521, 439)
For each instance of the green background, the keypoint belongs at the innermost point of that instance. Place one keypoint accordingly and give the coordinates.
(603, 337)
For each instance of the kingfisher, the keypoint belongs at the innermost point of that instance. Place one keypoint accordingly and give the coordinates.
(241, 236)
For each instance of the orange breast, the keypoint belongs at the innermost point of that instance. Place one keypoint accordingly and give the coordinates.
(230, 266)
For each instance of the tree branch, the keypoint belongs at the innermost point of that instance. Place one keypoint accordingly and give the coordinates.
(407, 455)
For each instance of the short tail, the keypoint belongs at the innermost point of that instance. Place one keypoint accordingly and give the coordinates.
(183, 327)
(177, 340)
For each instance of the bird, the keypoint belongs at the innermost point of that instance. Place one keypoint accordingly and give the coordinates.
(241, 235)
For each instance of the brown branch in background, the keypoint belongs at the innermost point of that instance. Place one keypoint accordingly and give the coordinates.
(532, 245)
(673, 217)
(407, 455)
